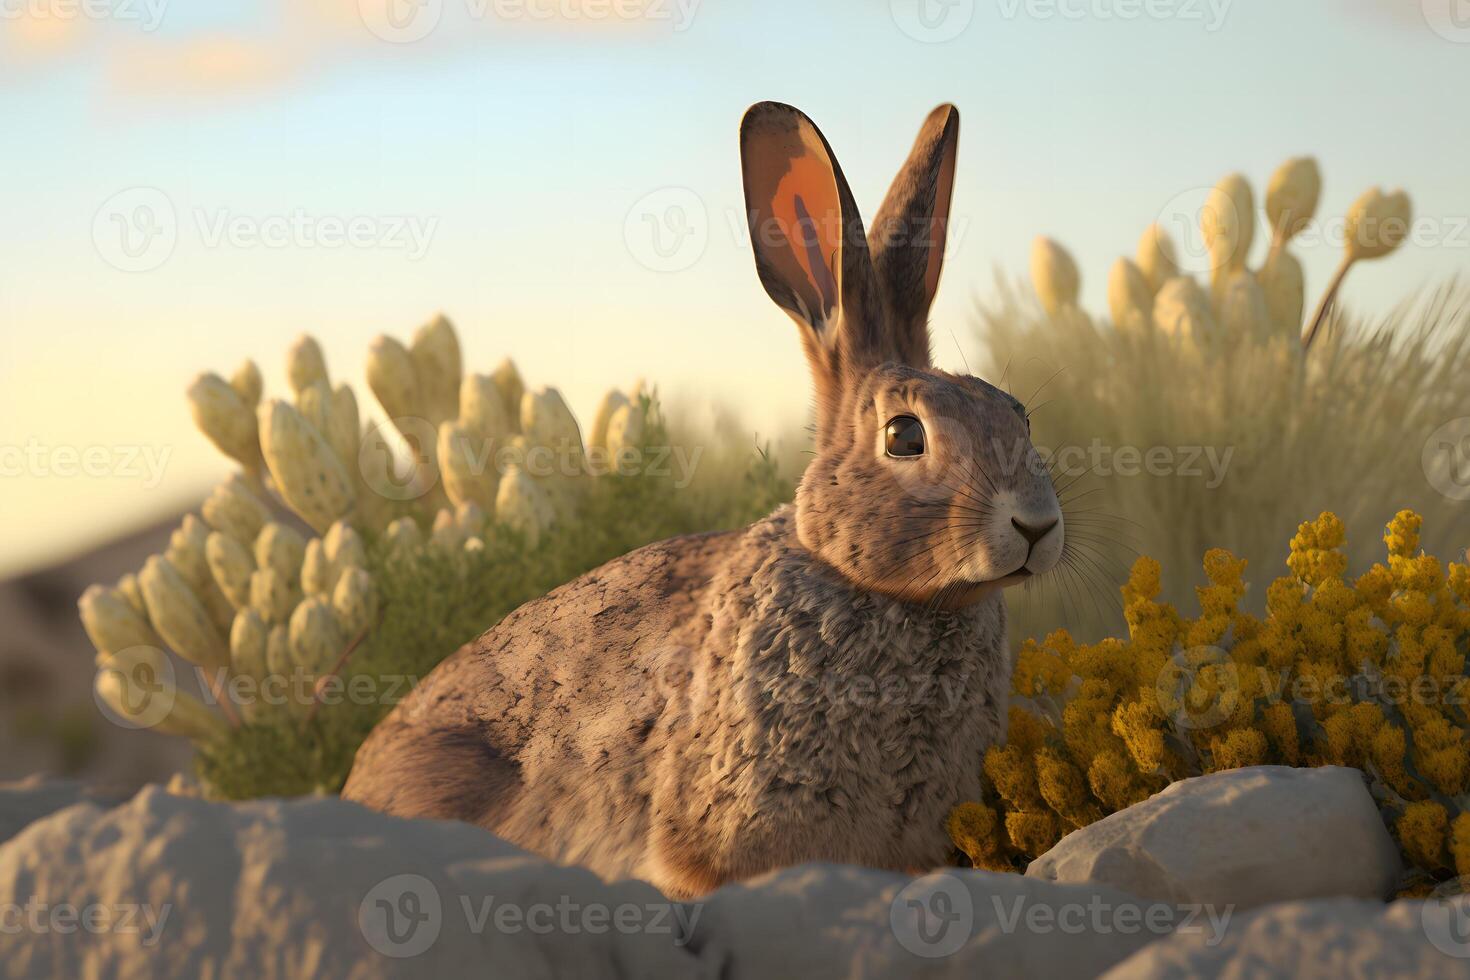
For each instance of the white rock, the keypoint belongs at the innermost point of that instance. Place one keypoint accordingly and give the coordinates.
(1324, 940)
(322, 887)
(835, 921)
(1241, 838)
(314, 887)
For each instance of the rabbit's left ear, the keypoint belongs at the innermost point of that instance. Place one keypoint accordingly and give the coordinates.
(909, 234)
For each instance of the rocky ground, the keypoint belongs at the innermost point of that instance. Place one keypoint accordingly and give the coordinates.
(1255, 873)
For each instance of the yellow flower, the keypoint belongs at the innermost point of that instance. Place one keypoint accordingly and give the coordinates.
(1421, 831)
(976, 829)
(1011, 771)
(1033, 833)
(1063, 788)
(1115, 782)
(1138, 725)
(1460, 844)
(1440, 754)
(1314, 555)
(1387, 753)
(1278, 723)
(1402, 534)
(1242, 747)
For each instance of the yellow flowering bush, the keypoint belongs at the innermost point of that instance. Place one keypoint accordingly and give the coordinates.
(1368, 672)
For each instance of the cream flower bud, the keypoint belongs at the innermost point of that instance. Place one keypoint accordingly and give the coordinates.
(234, 509)
(1285, 288)
(186, 551)
(446, 535)
(247, 384)
(1182, 310)
(467, 466)
(272, 595)
(225, 419)
(308, 475)
(1228, 222)
(624, 435)
(278, 652)
(508, 380)
(393, 380)
(112, 624)
(343, 548)
(231, 564)
(1377, 224)
(547, 421)
(611, 402)
(404, 537)
(1055, 276)
(1157, 258)
(128, 588)
(523, 504)
(316, 570)
(249, 638)
(305, 364)
(481, 409)
(355, 602)
(345, 432)
(1292, 196)
(281, 548)
(1243, 311)
(471, 519)
(316, 636)
(178, 615)
(437, 362)
(1130, 300)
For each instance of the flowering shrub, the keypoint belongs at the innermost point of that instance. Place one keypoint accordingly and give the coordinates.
(1367, 672)
(344, 561)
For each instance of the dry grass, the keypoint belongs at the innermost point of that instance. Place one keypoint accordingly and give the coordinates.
(1345, 431)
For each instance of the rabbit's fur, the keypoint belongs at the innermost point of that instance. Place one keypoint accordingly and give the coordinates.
(819, 686)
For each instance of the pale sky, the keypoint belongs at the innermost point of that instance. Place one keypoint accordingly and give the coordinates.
(177, 181)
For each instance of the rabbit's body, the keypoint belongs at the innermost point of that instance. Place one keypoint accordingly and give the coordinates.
(703, 709)
(819, 686)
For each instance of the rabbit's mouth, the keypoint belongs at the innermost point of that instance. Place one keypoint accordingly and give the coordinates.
(963, 593)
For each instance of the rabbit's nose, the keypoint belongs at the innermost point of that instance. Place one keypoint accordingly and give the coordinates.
(1033, 532)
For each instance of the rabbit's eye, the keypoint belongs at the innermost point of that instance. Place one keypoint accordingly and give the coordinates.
(905, 436)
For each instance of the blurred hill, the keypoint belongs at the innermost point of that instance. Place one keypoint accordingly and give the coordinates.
(49, 721)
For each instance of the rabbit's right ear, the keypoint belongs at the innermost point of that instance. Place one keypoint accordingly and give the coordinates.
(810, 249)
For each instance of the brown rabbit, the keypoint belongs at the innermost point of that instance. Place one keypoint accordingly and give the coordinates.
(820, 686)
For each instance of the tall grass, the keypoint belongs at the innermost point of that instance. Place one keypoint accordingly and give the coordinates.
(1345, 427)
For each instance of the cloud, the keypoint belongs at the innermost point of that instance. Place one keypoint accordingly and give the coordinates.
(156, 50)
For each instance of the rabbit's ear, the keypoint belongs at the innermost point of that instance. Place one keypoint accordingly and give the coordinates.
(810, 250)
(909, 233)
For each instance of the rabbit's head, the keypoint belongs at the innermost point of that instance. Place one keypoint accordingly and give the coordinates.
(925, 486)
